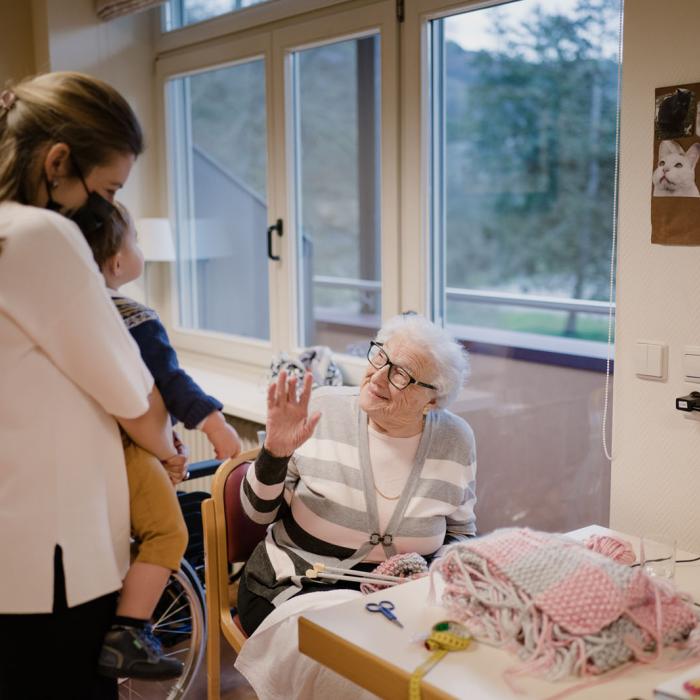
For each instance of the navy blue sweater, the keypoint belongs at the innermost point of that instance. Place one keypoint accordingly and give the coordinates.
(183, 398)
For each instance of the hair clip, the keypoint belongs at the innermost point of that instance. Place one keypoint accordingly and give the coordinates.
(7, 99)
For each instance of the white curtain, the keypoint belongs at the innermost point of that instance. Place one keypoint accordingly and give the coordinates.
(109, 9)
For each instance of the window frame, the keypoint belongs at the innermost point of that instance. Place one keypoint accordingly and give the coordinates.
(275, 43)
(235, 22)
(346, 25)
(420, 252)
(272, 30)
(212, 56)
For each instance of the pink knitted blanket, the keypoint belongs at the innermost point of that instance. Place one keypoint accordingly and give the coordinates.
(564, 609)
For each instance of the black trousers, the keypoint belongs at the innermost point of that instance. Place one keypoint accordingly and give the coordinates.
(54, 655)
(252, 609)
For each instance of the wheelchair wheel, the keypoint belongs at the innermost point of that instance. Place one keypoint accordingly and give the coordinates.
(179, 623)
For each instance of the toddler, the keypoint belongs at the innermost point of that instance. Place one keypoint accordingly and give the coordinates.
(130, 649)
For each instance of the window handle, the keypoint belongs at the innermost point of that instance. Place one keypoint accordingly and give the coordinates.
(275, 227)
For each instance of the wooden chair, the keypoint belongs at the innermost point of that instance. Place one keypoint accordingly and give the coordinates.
(229, 538)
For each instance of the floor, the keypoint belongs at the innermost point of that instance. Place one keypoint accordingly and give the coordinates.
(233, 685)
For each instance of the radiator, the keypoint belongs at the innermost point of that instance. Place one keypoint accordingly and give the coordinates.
(200, 449)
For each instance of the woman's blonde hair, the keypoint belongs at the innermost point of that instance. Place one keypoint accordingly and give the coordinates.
(88, 115)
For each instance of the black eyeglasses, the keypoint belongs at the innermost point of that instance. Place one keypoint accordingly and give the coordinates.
(398, 376)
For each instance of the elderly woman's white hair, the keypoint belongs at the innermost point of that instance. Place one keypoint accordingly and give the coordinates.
(450, 359)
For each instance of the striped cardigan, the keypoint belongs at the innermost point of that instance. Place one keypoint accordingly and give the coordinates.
(322, 506)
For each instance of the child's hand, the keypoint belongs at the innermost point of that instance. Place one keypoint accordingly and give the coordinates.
(222, 436)
(176, 466)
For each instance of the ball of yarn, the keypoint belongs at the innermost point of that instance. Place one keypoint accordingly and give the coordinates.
(616, 548)
(409, 566)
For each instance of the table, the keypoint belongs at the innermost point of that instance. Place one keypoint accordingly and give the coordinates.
(380, 656)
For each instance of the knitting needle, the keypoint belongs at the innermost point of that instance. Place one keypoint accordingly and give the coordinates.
(312, 573)
(354, 572)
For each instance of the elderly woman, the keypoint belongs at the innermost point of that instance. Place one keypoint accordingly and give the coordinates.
(373, 471)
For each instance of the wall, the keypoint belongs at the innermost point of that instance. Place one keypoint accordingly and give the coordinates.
(69, 36)
(655, 482)
(17, 45)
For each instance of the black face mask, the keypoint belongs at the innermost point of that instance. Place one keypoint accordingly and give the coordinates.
(92, 216)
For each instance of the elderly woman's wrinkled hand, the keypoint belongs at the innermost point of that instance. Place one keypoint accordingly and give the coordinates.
(288, 423)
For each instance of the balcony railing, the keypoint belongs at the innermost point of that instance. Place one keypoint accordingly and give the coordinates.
(472, 295)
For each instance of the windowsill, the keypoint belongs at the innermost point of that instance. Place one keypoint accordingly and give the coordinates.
(241, 391)
(242, 387)
(531, 347)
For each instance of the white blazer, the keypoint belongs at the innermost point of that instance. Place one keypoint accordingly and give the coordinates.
(67, 365)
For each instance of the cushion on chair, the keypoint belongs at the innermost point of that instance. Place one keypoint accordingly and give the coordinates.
(242, 534)
(237, 622)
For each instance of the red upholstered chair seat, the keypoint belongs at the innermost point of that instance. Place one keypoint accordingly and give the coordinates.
(242, 534)
(229, 538)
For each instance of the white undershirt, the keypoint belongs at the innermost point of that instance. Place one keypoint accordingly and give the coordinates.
(391, 459)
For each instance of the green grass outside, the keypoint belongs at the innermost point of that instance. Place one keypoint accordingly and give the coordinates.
(587, 326)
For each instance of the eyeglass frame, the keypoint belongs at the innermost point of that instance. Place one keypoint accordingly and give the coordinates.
(390, 364)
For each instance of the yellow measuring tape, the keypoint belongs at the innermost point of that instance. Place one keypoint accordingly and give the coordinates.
(444, 637)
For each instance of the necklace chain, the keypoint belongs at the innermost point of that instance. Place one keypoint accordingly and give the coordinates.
(388, 498)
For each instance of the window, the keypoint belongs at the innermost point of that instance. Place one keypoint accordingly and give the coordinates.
(217, 141)
(336, 136)
(523, 110)
(293, 124)
(481, 192)
(180, 13)
(507, 213)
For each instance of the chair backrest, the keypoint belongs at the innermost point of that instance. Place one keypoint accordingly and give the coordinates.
(229, 536)
(242, 534)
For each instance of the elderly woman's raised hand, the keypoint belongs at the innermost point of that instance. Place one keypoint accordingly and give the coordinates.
(288, 423)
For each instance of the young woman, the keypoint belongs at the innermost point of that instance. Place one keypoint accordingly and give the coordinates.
(67, 366)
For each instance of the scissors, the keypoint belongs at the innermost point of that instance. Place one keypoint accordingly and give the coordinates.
(384, 607)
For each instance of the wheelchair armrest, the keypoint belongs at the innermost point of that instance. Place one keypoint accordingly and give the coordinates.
(204, 468)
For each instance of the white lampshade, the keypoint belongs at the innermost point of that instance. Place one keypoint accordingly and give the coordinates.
(156, 239)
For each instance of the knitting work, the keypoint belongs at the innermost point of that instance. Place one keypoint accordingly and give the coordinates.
(562, 608)
(409, 566)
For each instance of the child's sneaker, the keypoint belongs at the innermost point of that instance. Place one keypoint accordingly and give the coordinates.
(134, 652)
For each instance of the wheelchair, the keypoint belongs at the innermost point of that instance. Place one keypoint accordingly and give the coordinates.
(180, 621)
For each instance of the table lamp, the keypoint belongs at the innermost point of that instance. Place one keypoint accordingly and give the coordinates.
(155, 239)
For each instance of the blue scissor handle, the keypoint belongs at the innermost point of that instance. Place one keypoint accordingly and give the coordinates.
(385, 607)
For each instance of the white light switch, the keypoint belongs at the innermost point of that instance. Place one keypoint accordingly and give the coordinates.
(691, 363)
(650, 360)
(655, 360)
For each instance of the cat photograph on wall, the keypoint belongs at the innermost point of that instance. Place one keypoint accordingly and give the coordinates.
(675, 113)
(674, 175)
(675, 151)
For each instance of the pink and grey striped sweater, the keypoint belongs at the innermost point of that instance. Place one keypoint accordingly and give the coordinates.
(322, 506)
